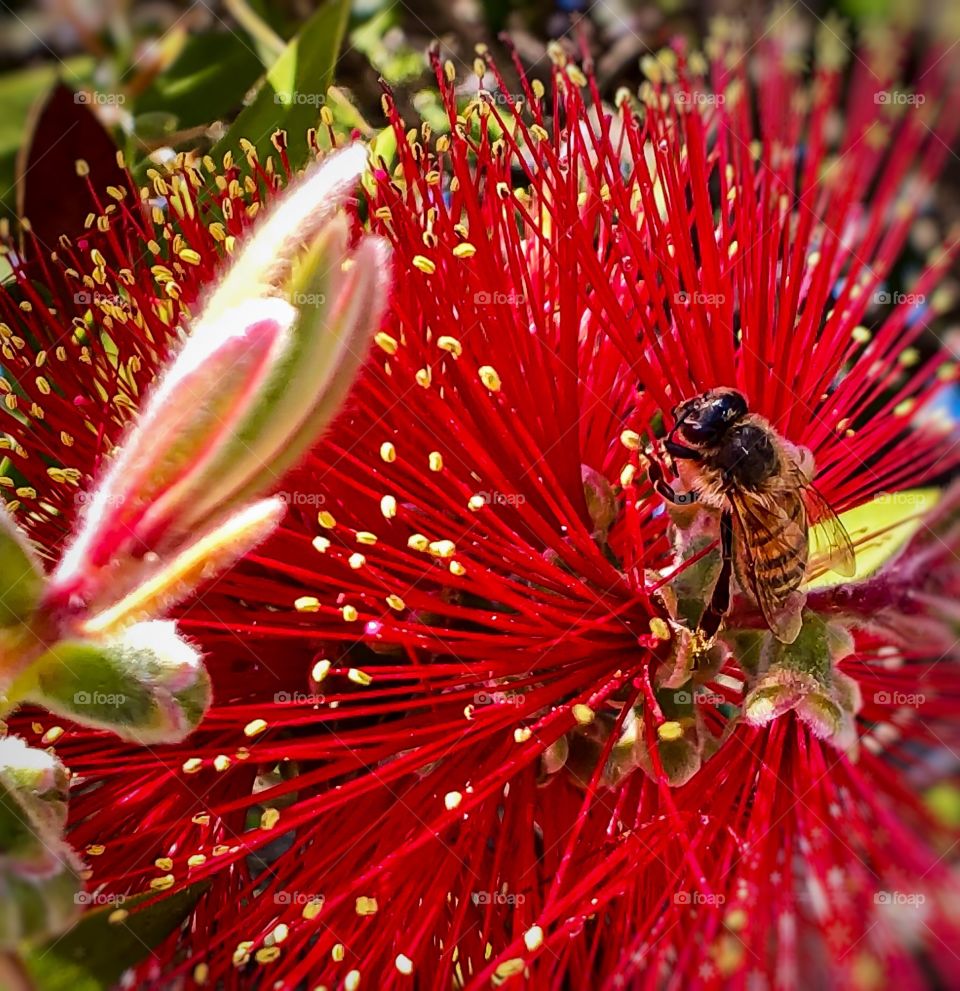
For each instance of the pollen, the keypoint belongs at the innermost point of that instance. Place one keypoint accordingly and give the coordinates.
(52, 735)
(326, 519)
(424, 377)
(452, 800)
(163, 883)
(388, 452)
(337, 952)
(356, 561)
(255, 727)
(95, 850)
(396, 603)
(435, 461)
(403, 964)
(417, 542)
(522, 734)
(312, 909)
(196, 860)
(267, 954)
(450, 344)
(359, 677)
(366, 537)
(861, 335)
(659, 628)
(533, 938)
(670, 731)
(476, 502)
(352, 981)
(424, 264)
(386, 343)
(366, 906)
(456, 568)
(221, 762)
(489, 377)
(307, 603)
(349, 614)
(465, 250)
(630, 440)
(442, 548)
(117, 916)
(163, 864)
(583, 714)
(627, 475)
(388, 506)
(320, 670)
(321, 544)
(269, 818)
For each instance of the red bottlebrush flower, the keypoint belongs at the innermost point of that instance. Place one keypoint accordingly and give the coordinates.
(459, 730)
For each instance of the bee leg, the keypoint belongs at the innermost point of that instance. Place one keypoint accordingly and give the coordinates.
(665, 489)
(720, 600)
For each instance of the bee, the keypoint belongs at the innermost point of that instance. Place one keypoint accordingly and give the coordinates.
(771, 516)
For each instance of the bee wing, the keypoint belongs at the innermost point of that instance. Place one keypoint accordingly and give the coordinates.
(761, 525)
(830, 544)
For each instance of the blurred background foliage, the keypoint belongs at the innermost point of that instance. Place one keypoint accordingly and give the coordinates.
(166, 75)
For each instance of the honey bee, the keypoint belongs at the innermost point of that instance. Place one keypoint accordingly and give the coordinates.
(771, 516)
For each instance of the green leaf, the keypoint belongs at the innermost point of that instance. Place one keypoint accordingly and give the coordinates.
(207, 80)
(879, 529)
(293, 91)
(21, 576)
(93, 955)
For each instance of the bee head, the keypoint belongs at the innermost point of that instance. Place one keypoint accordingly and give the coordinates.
(705, 419)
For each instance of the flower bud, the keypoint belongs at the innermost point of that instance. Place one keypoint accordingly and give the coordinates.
(21, 576)
(33, 807)
(146, 684)
(268, 362)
